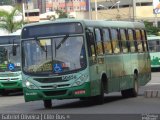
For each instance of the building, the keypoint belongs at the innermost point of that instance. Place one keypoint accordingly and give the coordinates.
(35, 4)
(125, 10)
(67, 5)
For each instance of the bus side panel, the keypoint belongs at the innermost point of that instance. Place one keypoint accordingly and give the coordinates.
(127, 80)
(137, 66)
(147, 69)
(114, 67)
(94, 77)
(155, 59)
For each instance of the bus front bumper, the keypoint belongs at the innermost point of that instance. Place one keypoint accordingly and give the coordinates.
(65, 93)
(11, 85)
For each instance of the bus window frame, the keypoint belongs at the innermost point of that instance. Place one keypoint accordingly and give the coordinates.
(133, 35)
(101, 41)
(117, 40)
(87, 32)
(135, 40)
(106, 28)
(142, 40)
(145, 35)
(139, 40)
(127, 40)
(91, 29)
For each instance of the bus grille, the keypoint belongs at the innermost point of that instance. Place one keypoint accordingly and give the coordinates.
(9, 84)
(55, 93)
(49, 80)
(8, 79)
(51, 86)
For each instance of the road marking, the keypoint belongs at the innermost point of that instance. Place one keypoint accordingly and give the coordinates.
(153, 84)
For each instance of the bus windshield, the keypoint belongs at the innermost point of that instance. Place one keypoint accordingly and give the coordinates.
(56, 55)
(8, 61)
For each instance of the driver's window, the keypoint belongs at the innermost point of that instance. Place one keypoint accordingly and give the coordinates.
(44, 48)
(90, 43)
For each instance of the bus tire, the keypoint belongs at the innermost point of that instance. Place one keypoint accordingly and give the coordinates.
(47, 103)
(133, 92)
(100, 98)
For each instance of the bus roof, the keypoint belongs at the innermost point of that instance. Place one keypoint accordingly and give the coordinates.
(153, 37)
(17, 33)
(95, 23)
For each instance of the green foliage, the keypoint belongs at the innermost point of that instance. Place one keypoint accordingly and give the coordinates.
(62, 14)
(7, 21)
(151, 30)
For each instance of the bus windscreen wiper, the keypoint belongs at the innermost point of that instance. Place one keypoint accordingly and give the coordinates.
(62, 41)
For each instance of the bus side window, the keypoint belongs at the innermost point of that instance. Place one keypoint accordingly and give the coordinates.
(144, 40)
(139, 41)
(124, 41)
(158, 45)
(152, 45)
(90, 43)
(107, 42)
(131, 40)
(98, 37)
(115, 42)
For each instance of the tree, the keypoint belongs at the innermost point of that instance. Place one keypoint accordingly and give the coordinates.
(151, 30)
(62, 14)
(7, 20)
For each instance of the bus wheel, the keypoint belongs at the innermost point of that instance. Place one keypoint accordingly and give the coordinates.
(47, 103)
(133, 92)
(100, 98)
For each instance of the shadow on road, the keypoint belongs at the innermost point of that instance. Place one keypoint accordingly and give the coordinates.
(12, 93)
(86, 103)
(155, 69)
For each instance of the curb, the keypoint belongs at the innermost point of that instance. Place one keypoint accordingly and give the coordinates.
(152, 93)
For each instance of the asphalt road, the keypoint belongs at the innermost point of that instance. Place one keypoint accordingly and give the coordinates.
(114, 103)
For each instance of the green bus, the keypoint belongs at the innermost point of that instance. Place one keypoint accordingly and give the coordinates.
(154, 49)
(10, 64)
(83, 59)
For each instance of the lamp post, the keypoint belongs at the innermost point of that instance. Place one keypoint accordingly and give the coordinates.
(134, 9)
(96, 8)
(117, 3)
(23, 11)
(102, 6)
(90, 11)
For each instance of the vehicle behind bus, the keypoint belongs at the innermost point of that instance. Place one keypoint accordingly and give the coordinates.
(84, 59)
(154, 49)
(10, 66)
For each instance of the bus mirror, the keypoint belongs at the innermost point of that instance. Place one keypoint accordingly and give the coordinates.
(14, 50)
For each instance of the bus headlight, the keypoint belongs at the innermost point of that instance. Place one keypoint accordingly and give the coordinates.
(30, 85)
(82, 79)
